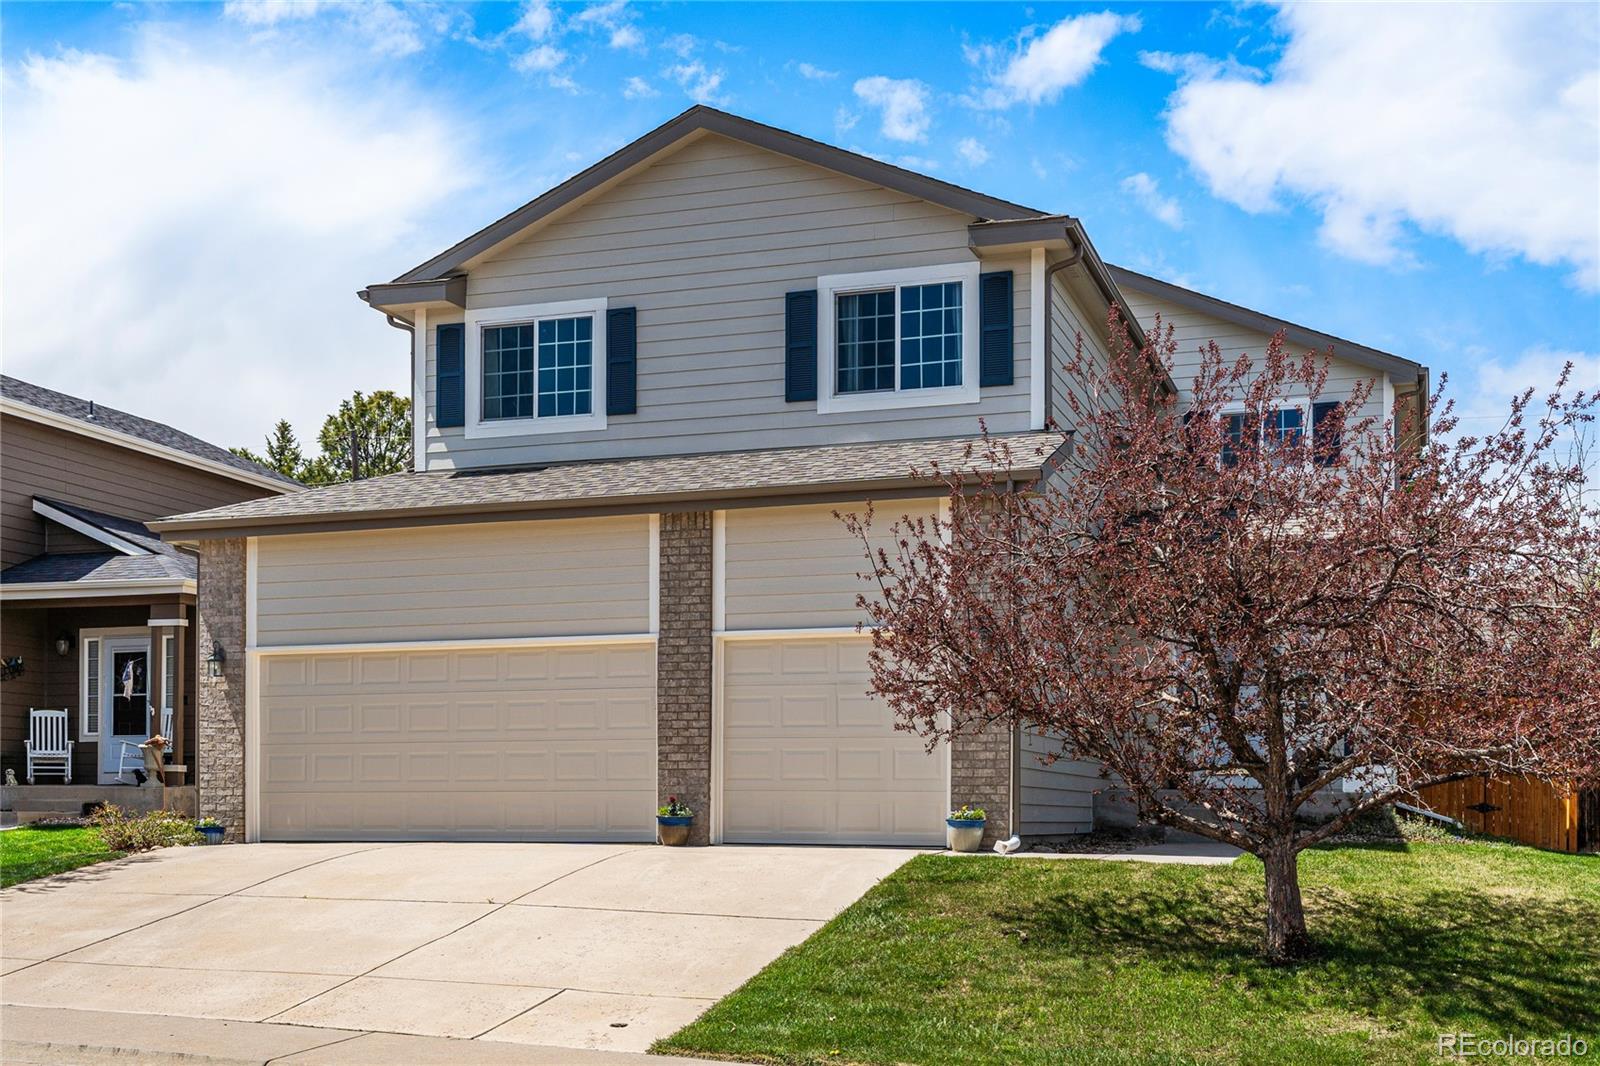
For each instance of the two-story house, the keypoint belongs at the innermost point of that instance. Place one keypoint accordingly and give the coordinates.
(96, 611)
(615, 573)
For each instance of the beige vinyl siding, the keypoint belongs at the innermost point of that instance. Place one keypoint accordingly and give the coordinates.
(583, 577)
(1058, 798)
(705, 244)
(1192, 330)
(797, 567)
(41, 460)
(1069, 321)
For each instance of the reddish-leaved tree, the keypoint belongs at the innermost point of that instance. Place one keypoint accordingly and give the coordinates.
(1245, 620)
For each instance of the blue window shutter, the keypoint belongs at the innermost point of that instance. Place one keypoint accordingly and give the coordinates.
(450, 386)
(622, 361)
(800, 346)
(994, 328)
(1325, 442)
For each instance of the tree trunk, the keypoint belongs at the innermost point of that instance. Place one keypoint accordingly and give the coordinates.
(1286, 918)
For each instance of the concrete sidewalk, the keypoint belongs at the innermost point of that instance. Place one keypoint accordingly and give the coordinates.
(36, 1036)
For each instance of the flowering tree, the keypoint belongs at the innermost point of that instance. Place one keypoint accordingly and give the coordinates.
(1242, 604)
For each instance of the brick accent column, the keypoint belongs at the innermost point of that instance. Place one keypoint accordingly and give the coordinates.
(683, 667)
(980, 775)
(219, 703)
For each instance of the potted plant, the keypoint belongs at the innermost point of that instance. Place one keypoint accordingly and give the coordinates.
(211, 829)
(672, 823)
(964, 828)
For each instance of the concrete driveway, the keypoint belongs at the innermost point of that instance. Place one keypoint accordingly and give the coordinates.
(566, 945)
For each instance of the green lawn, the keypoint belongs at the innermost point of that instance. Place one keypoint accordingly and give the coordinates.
(990, 960)
(29, 852)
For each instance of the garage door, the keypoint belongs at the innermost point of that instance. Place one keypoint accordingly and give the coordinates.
(809, 758)
(544, 743)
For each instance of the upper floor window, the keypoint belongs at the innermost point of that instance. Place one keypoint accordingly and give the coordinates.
(902, 338)
(534, 368)
(1290, 426)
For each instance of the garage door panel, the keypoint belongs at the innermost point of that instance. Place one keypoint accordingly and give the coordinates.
(810, 757)
(549, 743)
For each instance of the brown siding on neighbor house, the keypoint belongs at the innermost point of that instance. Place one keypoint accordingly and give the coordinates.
(22, 634)
(41, 460)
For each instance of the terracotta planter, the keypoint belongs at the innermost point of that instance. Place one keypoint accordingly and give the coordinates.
(963, 834)
(674, 832)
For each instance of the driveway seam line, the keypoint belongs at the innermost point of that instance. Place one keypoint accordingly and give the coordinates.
(186, 910)
(684, 914)
(314, 1047)
(519, 1014)
(494, 910)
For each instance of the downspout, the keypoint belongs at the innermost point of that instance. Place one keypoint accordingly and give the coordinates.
(1050, 273)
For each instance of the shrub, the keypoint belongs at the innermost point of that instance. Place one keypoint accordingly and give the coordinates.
(122, 831)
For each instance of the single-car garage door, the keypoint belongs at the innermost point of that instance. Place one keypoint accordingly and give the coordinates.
(808, 757)
(529, 743)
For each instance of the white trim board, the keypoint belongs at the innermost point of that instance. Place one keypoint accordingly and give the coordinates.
(167, 622)
(484, 644)
(1037, 280)
(128, 440)
(67, 590)
(95, 533)
(419, 390)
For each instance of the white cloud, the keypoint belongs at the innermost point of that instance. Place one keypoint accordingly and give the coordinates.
(627, 37)
(1477, 122)
(195, 221)
(1039, 68)
(636, 88)
(682, 45)
(387, 29)
(916, 162)
(903, 102)
(974, 153)
(1146, 192)
(271, 12)
(844, 120)
(614, 19)
(536, 21)
(699, 82)
(541, 58)
(815, 73)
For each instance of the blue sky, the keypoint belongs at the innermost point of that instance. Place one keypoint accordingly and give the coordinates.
(194, 192)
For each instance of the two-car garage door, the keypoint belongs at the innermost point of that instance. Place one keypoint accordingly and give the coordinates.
(543, 743)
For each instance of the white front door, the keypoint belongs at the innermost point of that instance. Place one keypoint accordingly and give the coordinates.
(124, 701)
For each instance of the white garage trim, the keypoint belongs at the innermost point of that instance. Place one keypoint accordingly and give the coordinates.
(252, 700)
(655, 573)
(476, 644)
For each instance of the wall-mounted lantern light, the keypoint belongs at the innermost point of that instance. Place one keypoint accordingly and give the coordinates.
(64, 645)
(215, 660)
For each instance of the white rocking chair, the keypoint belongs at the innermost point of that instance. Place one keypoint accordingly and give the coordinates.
(47, 746)
(133, 755)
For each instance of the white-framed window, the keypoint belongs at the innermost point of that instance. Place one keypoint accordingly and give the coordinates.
(169, 672)
(897, 338)
(1290, 424)
(89, 688)
(536, 368)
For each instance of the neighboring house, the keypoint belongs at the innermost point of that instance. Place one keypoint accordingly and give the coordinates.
(615, 573)
(87, 592)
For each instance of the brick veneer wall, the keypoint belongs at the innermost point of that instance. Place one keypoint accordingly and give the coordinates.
(980, 776)
(683, 667)
(219, 724)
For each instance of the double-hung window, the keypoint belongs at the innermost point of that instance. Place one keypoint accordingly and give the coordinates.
(1283, 427)
(904, 338)
(536, 369)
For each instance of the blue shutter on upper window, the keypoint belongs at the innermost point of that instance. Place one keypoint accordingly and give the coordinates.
(622, 361)
(995, 345)
(450, 384)
(1325, 442)
(800, 346)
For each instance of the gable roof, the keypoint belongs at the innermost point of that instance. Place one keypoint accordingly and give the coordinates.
(135, 560)
(35, 402)
(1303, 336)
(700, 119)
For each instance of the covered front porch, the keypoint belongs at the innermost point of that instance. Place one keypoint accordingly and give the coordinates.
(117, 663)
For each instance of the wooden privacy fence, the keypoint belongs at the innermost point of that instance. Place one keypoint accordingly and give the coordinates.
(1522, 808)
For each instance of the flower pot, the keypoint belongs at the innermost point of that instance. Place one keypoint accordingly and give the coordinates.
(963, 834)
(674, 832)
(212, 834)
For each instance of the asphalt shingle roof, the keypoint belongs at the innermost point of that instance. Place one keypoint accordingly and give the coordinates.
(97, 566)
(722, 475)
(122, 422)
